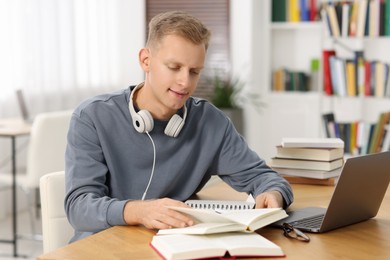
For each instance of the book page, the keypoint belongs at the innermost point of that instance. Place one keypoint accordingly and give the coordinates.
(186, 246)
(250, 217)
(194, 246)
(248, 244)
(255, 218)
(203, 215)
(204, 228)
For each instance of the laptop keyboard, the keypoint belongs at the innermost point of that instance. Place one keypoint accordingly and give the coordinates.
(312, 222)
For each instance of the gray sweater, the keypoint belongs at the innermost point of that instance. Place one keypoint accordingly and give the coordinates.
(108, 162)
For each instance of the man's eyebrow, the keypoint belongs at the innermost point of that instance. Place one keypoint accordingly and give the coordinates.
(176, 63)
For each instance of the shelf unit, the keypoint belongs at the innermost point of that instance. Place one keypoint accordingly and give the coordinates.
(298, 114)
(287, 40)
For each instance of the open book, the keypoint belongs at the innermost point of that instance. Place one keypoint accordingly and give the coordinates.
(236, 244)
(210, 221)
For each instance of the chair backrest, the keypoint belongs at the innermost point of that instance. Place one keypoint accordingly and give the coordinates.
(56, 229)
(47, 146)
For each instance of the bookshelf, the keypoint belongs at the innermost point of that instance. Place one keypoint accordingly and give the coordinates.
(298, 114)
(291, 52)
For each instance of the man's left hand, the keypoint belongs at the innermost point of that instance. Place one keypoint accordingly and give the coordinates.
(269, 199)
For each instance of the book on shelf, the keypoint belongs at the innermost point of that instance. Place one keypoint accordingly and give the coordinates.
(279, 10)
(350, 68)
(287, 80)
(304, 10)
(367, 78)
(360, 72)
(386, 139)
(330, 125)
(326, 70)
(313, 174)
(378, 132)
(211, 221)
(313, 10)
(306, 164)
(311, 181)
(379, 79)
(353, 19)
(338, 71)
(226, 245)
(293, 11)
(373, 21)
(357, 18)
(312, 142)
(359, 137)
(365, 130)
(334, 24)
(346, 7)
(387, 18)
(308, 153)
(361, 18)
(278, 80)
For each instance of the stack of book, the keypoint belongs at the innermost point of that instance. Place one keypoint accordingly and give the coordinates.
(309, 160)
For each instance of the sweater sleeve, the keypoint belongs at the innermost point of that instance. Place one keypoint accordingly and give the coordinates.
(87, 204)
(245, 171)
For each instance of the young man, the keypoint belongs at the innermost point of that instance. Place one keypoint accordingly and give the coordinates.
(133, 152)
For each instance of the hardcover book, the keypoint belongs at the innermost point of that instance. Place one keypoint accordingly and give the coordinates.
(313, 174)
(310, 181)
(319, 154)
(306, 164)
(226, 245)
(313, 142)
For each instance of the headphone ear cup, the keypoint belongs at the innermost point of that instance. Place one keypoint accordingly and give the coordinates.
(174, 126)
(143, 121)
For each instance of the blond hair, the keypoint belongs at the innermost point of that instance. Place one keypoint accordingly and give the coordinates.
(177, 23)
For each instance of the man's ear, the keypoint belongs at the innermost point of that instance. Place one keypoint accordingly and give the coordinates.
(144, 59)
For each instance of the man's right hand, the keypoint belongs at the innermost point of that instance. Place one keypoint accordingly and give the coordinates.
(154, 214)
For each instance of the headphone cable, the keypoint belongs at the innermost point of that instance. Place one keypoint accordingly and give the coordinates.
(154, 162)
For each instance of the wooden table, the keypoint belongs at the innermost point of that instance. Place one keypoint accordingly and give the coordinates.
(12, 128)
(365, 240)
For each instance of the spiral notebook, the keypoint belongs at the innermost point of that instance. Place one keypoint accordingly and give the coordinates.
(222, 205)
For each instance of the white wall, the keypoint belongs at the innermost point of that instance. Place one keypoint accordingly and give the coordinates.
(249, 30)
(134, 36)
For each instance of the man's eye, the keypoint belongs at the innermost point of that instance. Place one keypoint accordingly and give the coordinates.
(174, 68)
(195, 72)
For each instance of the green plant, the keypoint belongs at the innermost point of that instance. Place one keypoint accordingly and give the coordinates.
(229, 93)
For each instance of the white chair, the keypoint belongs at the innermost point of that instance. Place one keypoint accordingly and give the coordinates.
(46, 152)
(56, 229)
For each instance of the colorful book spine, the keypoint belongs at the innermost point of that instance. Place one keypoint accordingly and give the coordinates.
(294, 11)
(387, 18)
(327, 80)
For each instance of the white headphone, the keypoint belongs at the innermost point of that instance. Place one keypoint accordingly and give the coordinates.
(143, 120)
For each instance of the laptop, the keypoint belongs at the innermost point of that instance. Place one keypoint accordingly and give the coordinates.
(358, 195)
(23, 106)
